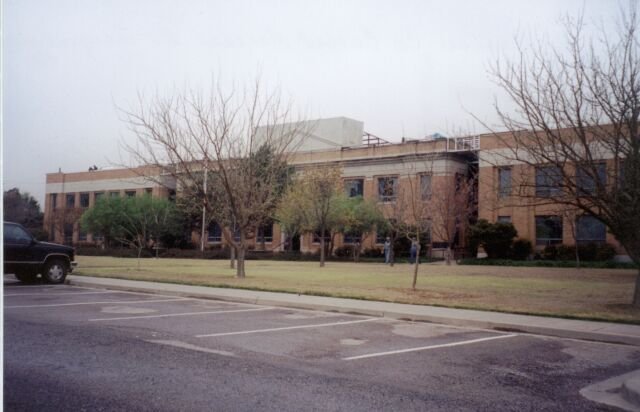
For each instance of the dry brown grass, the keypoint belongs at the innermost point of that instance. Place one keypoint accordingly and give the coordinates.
(581, 293)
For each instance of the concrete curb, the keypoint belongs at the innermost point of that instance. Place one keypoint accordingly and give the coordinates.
(564, 328)
(619, 391)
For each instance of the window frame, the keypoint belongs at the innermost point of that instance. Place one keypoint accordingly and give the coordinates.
(547, 241)
(504, 190)
(426, 195)
(548, 188)
(348, 189)
(394, 187)
(583, 240)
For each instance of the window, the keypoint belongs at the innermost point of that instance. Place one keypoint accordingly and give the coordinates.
(148, 191)
(504, 182)
(425, 186)
(82, 235)
(214, 232)
(114, 194)
(352, 237)
(590, 230)
(130, 193)
(388, 188)
(354, 187)
(97, 196)
(504, 219)
(316, 236)
(97, 237)
(54, 200)
(14, 234)
(84, 199)
(68, 233)
(586, 181)
(548, 181)
(236, 233)
(265, 233)
(71, 200)
(548, 230)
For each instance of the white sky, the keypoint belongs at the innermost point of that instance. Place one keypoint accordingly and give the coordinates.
(407, 68)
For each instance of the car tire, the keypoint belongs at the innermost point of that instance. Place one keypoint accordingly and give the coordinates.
(26, 277)
(55, 271)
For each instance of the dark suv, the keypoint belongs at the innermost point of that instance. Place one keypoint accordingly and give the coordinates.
(25, 257)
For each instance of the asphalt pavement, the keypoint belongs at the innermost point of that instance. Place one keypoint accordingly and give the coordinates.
(72, 347)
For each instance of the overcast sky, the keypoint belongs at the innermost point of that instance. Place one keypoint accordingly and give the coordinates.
(404, 68)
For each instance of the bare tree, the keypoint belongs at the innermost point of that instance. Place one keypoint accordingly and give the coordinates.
(238, 141)
(580, 107)
(450, 205)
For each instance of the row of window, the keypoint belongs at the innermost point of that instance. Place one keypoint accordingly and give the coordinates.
(70, 198)
(588, 229)
(549, 180)
(388, 187)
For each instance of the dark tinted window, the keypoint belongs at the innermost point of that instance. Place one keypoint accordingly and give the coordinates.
(548, 230)
(589, 229)
(71, 200)
(354, 187)
(15, 234)
(84, 199)
(504, 182)
(548, 180)
(387, 188)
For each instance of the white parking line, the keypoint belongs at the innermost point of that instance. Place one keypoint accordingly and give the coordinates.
(320, 325)
(181, 314)
(56, 294)
(444, 345)
(96, 303)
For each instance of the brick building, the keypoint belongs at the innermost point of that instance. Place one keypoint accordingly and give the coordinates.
(371, 167)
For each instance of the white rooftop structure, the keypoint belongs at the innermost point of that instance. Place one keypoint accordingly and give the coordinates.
(320, 134)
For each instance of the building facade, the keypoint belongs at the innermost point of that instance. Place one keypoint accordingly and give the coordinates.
(372, 168)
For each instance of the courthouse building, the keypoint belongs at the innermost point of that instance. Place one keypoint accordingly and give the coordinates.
(371, 167)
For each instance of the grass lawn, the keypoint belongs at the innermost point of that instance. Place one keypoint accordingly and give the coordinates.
(602, 294)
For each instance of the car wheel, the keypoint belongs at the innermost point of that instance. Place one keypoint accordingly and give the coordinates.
(55, 271)
(26, 277)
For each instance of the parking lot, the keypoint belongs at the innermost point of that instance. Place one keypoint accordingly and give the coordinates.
(131, 350)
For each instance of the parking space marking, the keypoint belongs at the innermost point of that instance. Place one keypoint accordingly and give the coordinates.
(56, 294)
(184, 345)
(319, 325)
(95, 303)
(182, 314)
(444, 345)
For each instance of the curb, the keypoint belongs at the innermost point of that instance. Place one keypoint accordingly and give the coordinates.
(504, 322)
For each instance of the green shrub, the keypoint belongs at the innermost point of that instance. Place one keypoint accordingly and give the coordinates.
(521, 249)
(496, 238)
(373, 252)
(564, 252)
(605, 252)
(550, 252)
(343, 251)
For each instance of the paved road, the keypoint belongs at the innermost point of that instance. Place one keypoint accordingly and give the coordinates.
(73, 348)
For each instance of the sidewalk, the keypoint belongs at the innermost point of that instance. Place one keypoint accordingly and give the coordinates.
(565, 328)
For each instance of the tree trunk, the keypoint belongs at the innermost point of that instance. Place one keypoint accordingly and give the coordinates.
(448, 257)
(240, 273)
(415, 268)
(322, 251)
(392, 255)
(232, 257)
